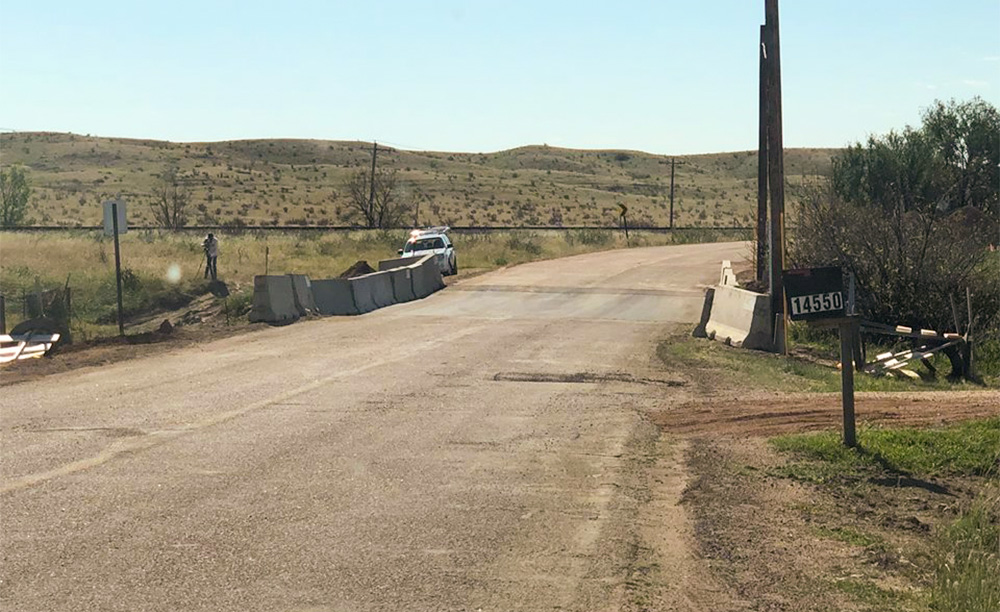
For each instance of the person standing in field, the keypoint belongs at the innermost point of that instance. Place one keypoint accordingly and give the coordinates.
(211, 246)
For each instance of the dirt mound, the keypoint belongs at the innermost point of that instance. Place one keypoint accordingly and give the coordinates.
(360, 268)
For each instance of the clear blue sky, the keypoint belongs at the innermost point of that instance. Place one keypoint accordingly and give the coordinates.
(665, 77)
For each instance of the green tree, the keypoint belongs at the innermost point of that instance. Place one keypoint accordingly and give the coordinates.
(966, 138)
(911, 214)
(948, 163)
(15, 192)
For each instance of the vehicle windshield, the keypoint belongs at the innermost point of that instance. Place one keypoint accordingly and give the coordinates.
(423, 244)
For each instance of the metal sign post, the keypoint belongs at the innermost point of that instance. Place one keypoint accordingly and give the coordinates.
(114, 220)
(816, 295)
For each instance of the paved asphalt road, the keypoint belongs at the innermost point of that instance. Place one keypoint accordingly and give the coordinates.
(469, 451)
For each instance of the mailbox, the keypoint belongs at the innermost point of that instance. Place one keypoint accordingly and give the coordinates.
(813, 294)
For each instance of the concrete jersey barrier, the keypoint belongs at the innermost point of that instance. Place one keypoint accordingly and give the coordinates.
(302, 292)
(401, 262)
(402, 284)
(273, 300)
(740, 317)
(334, 296)
(372, 291)
(426, 277)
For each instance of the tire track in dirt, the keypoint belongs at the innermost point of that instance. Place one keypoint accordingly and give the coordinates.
(780, 413)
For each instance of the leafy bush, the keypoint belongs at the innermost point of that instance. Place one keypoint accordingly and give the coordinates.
(911, 214)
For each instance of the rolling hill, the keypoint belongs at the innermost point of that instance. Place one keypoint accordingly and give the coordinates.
(301, 182)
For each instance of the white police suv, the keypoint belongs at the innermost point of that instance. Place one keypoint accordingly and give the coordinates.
(432, 241)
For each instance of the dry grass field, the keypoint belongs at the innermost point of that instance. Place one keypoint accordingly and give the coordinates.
(301, 182)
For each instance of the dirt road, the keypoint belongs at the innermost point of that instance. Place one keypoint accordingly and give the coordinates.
(486, 448)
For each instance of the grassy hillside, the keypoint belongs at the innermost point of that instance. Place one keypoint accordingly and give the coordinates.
(300, 182)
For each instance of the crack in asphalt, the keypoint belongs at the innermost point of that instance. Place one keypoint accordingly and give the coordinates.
(583, 377)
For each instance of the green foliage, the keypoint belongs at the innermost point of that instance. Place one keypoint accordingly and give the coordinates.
(967, 138)
(239, 303)
(911, 215)
(950, 162)
(967, 576)
(970, 448)
(870, 593)
(851, 536)
(965, 560)
(15, 191)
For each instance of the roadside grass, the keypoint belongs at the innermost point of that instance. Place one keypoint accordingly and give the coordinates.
(971, 448)
(84, 260)
(967, 576)
(961, 566)
(872, 595)
(770, 372)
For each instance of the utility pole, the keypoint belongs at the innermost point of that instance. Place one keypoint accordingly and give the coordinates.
(761, 254)
(118, 267)
(673, 162)
(671, 193)
(775, 171)
(371, 193)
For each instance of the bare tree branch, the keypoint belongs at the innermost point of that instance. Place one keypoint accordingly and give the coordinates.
(171, 200)
(384, 208)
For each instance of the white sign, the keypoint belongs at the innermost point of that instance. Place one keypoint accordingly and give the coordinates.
(109, 222)
(820, 302)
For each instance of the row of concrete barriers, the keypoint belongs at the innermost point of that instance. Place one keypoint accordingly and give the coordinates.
(284, 299)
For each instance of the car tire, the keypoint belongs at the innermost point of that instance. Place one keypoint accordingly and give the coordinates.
(454, 267)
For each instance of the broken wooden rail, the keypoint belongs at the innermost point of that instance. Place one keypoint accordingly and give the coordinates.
(25, 346)
(955, 346)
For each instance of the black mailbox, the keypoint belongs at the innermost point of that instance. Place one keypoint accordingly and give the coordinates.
(814, 293)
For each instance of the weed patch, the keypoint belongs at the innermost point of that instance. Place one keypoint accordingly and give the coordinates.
(958, 564)
(967, 576)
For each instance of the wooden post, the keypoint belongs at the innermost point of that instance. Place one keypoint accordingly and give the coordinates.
(762, 161)
(118, 269)
(847, 380)
(775, 168)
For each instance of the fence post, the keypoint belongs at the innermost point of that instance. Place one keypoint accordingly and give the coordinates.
(3, 315)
